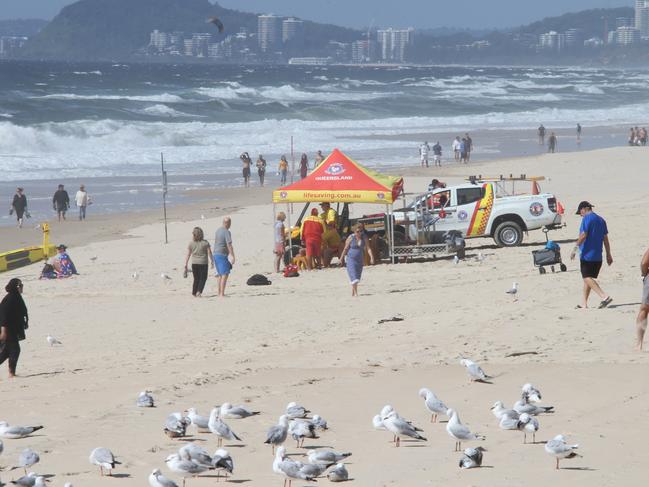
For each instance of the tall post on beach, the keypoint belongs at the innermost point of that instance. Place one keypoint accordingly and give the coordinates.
(292, 170)
(164, 194)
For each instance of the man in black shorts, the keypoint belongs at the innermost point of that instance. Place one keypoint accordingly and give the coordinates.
(593, 233)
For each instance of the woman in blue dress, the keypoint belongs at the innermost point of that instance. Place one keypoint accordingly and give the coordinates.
(354, 254)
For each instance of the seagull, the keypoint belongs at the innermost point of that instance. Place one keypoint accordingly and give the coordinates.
(532, 393)
(39, 482)
(68, 484)
(223, 461)
(301, 429)
(93, 258)
(474, 370)
(184, 467)
(499, 410)
(456, 260)
(202, 217)
(195, 453)
(28, 457)
(319, 422)
(558, 448)
(53, 341)
(219, 428)
(26, 481)
(294, 411)
(289, 468)
(327, 456)
(16, 432)
(156, 479)
(228, 411)
(135, 275)
(104, 458)
(528, 424)
(338, 474)
(400, 427)
(481, 257)
(200, 422)
(165, 277)
(522, 406)
(514, 289)
(472, 457)
(176, 425)
(145, 400)
(277, 434)
(459, 431)
(377, 422)
(432, 403)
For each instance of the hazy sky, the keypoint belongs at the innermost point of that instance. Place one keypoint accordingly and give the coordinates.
(357, 13)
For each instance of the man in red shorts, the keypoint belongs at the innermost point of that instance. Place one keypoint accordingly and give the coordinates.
(311, 234)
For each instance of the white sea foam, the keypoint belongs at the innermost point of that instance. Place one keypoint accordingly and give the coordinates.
(589, 89)
(161, 98)
(163, 111)
(87, 73)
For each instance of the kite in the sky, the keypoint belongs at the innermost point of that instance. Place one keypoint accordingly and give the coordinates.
(216, 21)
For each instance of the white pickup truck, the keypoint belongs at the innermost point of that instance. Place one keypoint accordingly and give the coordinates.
(480, 209)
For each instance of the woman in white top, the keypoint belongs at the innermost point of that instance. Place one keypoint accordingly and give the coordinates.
(280, 240)
(82, 200)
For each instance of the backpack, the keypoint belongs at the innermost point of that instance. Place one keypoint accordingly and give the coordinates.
(291, 271)
(258, 280)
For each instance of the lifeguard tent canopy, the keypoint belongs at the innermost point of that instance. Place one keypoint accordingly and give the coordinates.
(340, 179)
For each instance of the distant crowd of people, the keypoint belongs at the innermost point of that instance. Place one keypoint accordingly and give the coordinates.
(282, 168)
(637, 136)
(461, 147)
(60, 203)
(552, 139)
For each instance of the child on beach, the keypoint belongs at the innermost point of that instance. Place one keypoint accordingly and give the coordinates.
(300, 260)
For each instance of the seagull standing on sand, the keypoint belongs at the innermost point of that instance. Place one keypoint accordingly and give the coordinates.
(220, 429)
(377, 422)
(26, 480)
(53, 341)
(288, 468)
(200, 422)
(145, 400)
(103, 458)
(460, 432)
(156, 479)
(400, 427)
(295, 411)
(514, 289)
(28, 457)
(16, 432)
(558, 448)
(277, 434)
(338, 474)
(223, 461)
(531, 392)
(508, 417)
(474, 370)
(522, 406)
(472, 457)
(319, 422)
(195, 453)
(135, 275)
(176, 425)
(184, 467)
(228, 411)
(528, 424)
(165, 277)
(432, 403)
(300, 429)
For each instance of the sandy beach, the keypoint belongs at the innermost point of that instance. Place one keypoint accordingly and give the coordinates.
(307, 340)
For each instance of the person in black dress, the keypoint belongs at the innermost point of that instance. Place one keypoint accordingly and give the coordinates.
(19, 205)
(14, 321)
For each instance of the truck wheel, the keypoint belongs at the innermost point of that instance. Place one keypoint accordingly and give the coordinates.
(508, 234)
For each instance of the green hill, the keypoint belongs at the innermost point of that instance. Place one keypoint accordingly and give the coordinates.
(21, 27)
(590, 21)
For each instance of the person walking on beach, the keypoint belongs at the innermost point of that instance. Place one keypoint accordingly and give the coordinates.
(19, 206)
(283, 169)
(641, 320)
(424, 149)
(82, 200)
(14, 320)
(463, 157)
(223, 254)
(593, 233)
(247, 162)
(468, 147)
(304, 166)
(437, 154)
(456, 148)
(280, 240)
(61, 202)
(261, 169)
(541, 133)
(200, 252)
(579, 133)
(319, 158)
(354, 254)
(552, 143)
(643, 136)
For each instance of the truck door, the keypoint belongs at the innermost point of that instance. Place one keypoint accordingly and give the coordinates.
(467, 204)
(442, 206)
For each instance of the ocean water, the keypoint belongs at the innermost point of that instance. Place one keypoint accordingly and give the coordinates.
(61, 121)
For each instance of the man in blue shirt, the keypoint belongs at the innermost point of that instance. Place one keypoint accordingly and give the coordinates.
(593, 233)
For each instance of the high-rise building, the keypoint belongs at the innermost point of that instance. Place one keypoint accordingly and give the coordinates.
(552, 41)
(159, 40)
(642, 17)
(574, 38)
(292, 30)
(362, 51)
(626, 36)
(201, 42)
(394, 43)
(269, 32)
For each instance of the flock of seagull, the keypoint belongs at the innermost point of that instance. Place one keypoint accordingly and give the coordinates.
(192, 460)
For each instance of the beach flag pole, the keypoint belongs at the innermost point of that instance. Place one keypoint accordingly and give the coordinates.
(164, 194)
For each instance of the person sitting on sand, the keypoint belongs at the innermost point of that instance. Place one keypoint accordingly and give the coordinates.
(62, 263)
(300, 260)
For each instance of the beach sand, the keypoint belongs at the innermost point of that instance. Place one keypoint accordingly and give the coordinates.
(308, 340)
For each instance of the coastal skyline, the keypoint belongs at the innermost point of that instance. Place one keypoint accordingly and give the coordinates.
(475, 14)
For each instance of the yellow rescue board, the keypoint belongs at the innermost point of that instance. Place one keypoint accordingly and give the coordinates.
(29, 255)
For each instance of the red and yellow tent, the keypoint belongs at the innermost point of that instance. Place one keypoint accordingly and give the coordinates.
(341, 179)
